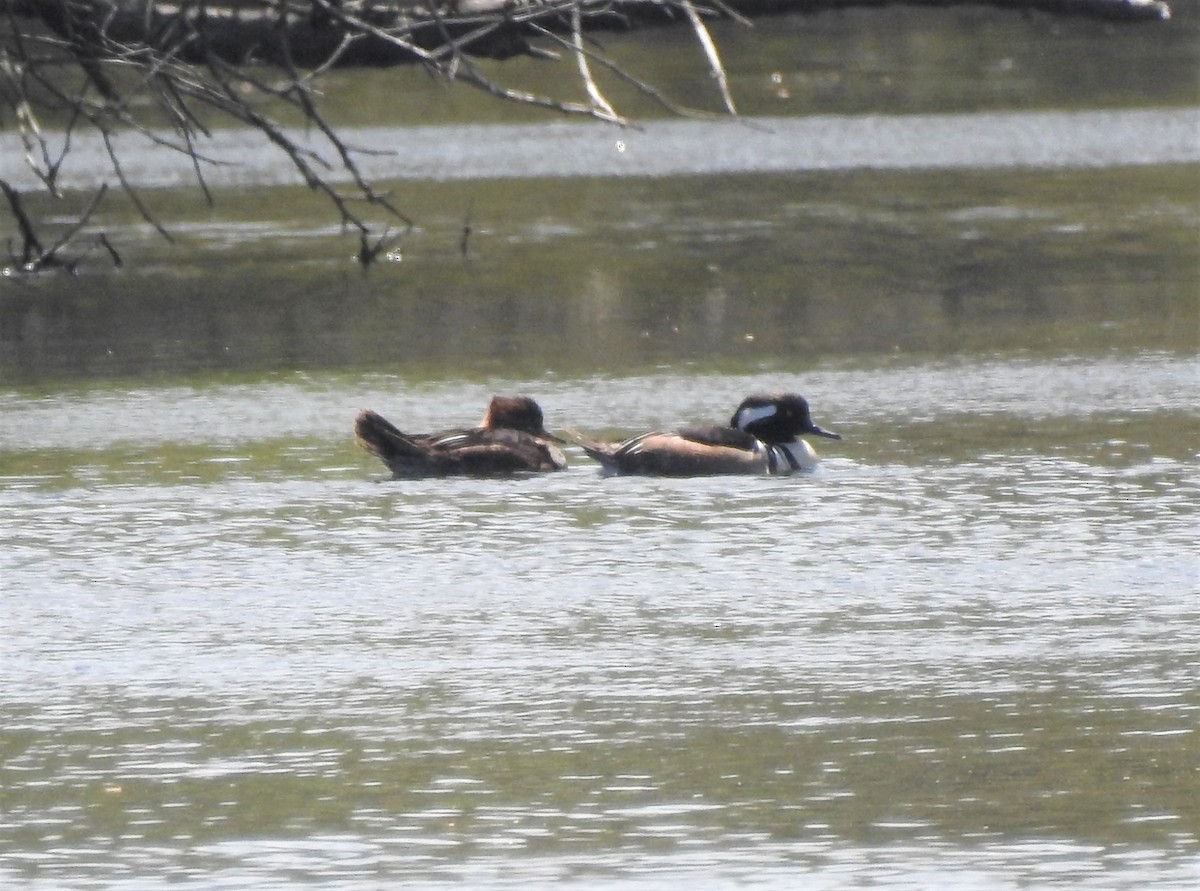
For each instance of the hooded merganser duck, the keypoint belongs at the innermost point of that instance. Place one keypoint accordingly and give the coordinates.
(510, 439)
(762, 438)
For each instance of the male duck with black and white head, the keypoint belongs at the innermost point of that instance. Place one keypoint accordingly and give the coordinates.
(510, 439)
(762, 438)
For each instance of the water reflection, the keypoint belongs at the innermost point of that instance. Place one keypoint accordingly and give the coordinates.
(782, 268)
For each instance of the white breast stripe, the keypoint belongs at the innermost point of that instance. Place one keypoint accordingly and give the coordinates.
(803, 454)
(750, 415)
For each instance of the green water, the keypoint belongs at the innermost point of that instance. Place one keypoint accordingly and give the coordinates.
(796, 269)
(893, 61)
(961, 654)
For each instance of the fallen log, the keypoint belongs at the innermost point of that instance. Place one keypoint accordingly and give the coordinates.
(312, 34)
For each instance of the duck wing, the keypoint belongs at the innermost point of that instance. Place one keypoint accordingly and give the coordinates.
(481, 459)
(725, 437)
(676, 454)
(471, 452)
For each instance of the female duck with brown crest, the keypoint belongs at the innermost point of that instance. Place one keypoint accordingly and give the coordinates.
(510, 439)
(762, 438)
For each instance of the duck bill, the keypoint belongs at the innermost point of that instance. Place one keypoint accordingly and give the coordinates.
(820, 431)
(546, 434)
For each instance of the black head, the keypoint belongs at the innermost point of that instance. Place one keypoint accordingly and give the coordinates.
(516, 413)
(777, 418)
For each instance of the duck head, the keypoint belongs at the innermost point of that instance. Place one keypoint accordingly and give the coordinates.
(777, 418)
(516, 413)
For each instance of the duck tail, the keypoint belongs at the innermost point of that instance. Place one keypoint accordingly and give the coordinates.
(383, 439)
(602, 452)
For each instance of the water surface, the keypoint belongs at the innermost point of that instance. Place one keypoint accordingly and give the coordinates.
(961, 649)
(962, 654)
(660, 148)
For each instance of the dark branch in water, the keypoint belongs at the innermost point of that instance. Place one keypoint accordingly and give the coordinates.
(464, 242)
(34, 256)
(130, 65)
(31, 245)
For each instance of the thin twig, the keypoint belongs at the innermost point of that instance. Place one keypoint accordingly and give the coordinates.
(710, 50)
(79, 223)
(585, 73)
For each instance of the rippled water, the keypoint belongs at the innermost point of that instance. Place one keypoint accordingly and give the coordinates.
(961, 653)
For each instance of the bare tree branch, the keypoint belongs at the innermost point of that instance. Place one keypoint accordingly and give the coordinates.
(34, 257)
(710, 51)
(158, 69)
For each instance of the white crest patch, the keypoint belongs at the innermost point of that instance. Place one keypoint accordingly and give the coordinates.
(751, 414)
